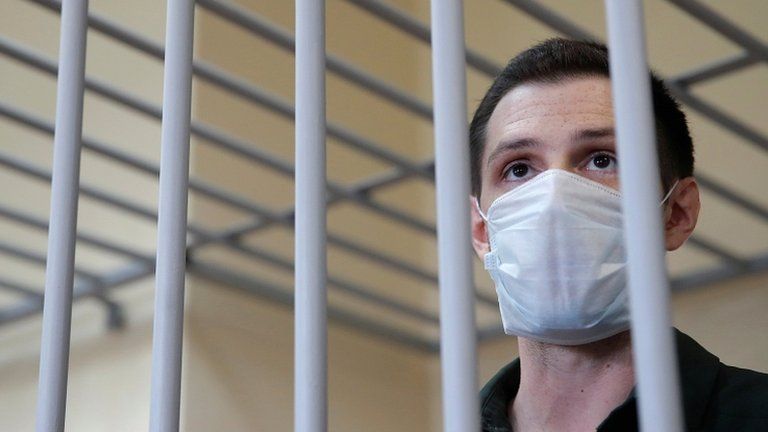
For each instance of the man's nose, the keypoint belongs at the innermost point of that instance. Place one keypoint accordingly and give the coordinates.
(562, 163)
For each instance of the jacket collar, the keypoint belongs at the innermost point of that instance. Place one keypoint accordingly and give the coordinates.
(698, 375)
(496, 397)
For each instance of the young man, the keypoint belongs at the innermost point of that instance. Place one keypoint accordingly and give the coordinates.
(546, 220)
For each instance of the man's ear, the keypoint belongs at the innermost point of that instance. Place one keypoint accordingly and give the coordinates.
(479, 232)
(681, 213)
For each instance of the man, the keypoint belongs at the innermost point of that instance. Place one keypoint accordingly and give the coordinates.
(546, 219)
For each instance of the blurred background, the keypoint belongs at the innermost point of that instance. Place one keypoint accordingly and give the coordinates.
(383, 299)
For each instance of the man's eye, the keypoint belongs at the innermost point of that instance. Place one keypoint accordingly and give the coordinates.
(602, 162)
(517, 171)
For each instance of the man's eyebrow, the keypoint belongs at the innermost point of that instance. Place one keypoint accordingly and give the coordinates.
(590, 134)
(509, 145)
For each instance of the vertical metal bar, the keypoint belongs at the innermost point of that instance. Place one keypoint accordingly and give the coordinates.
(311, 381)
(59, 274)
(172, 219)
(457, 322)
(652, 336)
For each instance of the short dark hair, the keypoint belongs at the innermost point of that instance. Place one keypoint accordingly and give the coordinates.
(559, 59)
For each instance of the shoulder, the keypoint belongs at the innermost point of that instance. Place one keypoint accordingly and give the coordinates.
(739, 401)
(742, 391)
(719, 397)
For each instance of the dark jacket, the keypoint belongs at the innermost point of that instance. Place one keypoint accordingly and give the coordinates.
(716, 397)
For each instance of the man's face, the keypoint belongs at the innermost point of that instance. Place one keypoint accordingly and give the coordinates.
(569, 126)
(538, 127)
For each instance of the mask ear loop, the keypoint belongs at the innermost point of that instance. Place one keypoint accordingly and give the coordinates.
(476, 201)
(666, 197)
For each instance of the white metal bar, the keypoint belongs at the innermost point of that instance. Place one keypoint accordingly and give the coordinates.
(311, 380)
(59, 275)
(652, 336)
(172, 219)
(457, 324)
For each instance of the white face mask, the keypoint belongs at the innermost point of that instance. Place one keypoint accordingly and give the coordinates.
(557, 259)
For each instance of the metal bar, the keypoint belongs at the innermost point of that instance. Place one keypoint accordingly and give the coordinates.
(653, 343)
(60, 264)
(282, 295)
(418, 30)
(732, 196)
(260, 27)
(551, 19)
(38, 258)
(726, 28)
(724, 255)
(41, 224)
(86, 190)
(367, 186)
(23, 289)
(714, 70)
(81, 290)
(728, 122)
(311, 337)
(28, 308)
(723, 273)
(242, 89)
(165, 397)
(348, 287)
(83, 276)
(458, 347)
(114, 310)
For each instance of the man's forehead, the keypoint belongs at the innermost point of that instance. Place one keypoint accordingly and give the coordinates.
(584, 96)
(539, 109)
